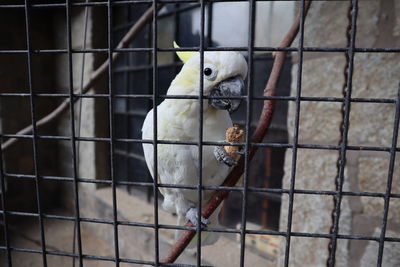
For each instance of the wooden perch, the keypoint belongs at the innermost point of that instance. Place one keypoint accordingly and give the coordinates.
(96, 75)
(258, 136)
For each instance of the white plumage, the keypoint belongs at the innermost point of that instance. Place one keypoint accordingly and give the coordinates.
(178, 119)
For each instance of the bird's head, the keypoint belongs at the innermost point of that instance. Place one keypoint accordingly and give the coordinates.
(223, 75)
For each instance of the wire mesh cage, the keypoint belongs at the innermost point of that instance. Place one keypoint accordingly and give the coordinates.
(324, 180)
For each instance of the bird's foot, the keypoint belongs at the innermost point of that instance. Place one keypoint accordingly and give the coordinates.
(221, 155)
(192, 216)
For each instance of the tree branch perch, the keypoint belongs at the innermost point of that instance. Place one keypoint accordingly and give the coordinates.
(261, 130)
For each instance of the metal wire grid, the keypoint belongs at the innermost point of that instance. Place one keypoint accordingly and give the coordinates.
(155, 143)
(249, 98)
(34, 131)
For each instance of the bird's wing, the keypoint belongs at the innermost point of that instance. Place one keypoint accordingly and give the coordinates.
(148, 150)
(147, 133)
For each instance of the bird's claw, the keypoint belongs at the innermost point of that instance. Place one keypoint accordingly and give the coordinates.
(221, 155)
(192, 216)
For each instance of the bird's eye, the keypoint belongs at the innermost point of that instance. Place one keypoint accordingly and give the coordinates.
(210, 71)
(207, 71)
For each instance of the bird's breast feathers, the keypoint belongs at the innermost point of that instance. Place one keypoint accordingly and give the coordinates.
(180, 121)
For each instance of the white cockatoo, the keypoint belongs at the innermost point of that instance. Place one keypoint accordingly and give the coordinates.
(178, 119)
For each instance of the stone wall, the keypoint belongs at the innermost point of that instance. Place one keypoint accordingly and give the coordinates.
(376, 75)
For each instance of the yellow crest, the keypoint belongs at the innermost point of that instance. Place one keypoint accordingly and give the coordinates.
(184, 56)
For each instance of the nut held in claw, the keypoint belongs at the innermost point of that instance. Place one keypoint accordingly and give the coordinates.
(234, 135)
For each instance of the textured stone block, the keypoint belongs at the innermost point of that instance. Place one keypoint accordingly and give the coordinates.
(367, 23)
(371, 124)
(376, 75)
(396, 29)
(316, 170)
(308, 252)
(326, 24)
(394, 214)
(319, 122)
(326, 116)
(373, 173)
(374, 206)
(332, 75)
(391, 256)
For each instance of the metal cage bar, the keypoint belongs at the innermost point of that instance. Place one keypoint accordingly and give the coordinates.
(4, 210)
(124, 2)
(295, 140)
(389, 180)
(147, 96)
(146, 141)
(155, 140)
(249, 109)
(34, 131)
(200, 143)
(110, 42)
(195, 48)
(73, 135)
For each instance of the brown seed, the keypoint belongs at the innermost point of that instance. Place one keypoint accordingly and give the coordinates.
(235, 135)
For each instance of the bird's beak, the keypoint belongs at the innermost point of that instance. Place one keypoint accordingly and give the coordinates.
(232, 87)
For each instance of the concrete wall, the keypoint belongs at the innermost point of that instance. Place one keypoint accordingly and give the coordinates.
(375, 75)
